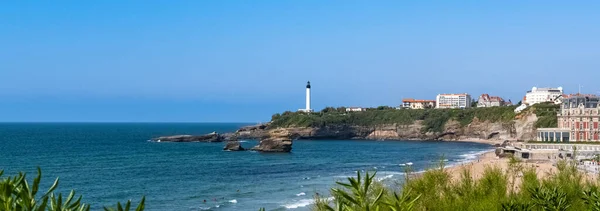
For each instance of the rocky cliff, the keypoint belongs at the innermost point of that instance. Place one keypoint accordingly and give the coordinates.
(521, 128)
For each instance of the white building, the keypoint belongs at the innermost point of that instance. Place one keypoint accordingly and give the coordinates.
(307, 109)
(541, 95)
(453, 101)
(353, 109)
(417, 104)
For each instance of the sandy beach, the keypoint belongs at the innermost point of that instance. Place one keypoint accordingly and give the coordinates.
(490, 159)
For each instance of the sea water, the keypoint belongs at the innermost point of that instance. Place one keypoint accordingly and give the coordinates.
(110, 162)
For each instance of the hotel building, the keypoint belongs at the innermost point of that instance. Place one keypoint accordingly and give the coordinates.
(540, 95)
(578, 120)
(417, 104)
(453, 101)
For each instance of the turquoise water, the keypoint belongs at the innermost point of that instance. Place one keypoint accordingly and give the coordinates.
(113, 162)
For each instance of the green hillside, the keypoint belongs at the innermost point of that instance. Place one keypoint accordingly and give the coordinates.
(433, 119)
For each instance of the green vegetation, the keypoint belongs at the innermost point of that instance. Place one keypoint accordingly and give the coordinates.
(494, 190)
(433, 119)
(17, 194)
(546, 114)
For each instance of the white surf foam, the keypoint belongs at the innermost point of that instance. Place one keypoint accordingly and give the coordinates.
(384, 177)
(468, 157)
(233, 201)
(472, 155)
(301, 194)
(302, 203)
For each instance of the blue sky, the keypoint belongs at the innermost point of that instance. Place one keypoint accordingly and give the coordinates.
(241, 61)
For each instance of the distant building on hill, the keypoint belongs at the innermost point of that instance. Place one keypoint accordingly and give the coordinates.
(486, 100)
(355, 109)
(541, 95)
(453, 101)
(417, 104)
(578, 120)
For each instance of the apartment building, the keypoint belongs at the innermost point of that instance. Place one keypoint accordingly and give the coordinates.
(453, 101)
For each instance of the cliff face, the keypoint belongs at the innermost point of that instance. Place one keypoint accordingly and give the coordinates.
(519, 129)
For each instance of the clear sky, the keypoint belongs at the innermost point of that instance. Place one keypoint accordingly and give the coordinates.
(241, 61)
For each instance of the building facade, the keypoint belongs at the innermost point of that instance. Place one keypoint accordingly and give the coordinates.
(453, 101)
(578, 120)
(486, 100)
(541, 95)
(417, 104)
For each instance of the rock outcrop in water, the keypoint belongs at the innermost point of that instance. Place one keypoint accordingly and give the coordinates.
(233, 146)
(279, 140)
(211, 137)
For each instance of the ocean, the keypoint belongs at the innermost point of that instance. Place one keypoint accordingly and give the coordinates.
(110, 162)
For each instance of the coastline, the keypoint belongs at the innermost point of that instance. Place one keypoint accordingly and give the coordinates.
(480, 141)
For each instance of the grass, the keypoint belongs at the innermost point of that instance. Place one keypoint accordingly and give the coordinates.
(496, 189)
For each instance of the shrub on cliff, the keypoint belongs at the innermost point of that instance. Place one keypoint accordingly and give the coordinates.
(546, 114)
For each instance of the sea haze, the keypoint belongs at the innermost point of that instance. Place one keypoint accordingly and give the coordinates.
(110, 162)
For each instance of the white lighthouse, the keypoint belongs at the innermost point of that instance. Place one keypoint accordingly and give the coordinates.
(307, 109)
(308, 97)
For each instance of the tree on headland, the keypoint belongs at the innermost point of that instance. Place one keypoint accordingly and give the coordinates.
(384, 108)
(474, 103)
(277, 115)
(328, 110)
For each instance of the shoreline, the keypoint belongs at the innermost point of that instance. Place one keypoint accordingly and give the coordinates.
(469, 140)
(489, 159)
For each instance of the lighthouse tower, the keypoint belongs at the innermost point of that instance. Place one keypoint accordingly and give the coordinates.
(307, 109)
(308, 97)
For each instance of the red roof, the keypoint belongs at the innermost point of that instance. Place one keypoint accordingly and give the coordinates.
(410, 100)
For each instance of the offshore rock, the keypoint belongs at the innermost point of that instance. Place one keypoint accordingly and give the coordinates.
(278, 141)
(211, 137)
(233, 146)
